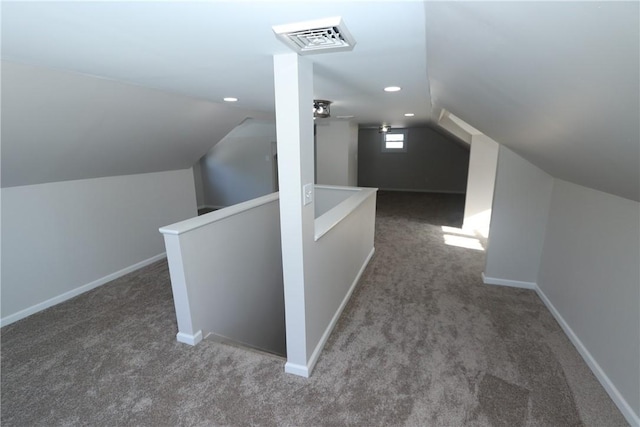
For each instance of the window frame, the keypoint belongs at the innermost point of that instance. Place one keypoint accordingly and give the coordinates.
(383, 140)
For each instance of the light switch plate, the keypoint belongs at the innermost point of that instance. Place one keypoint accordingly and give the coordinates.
(307, 194)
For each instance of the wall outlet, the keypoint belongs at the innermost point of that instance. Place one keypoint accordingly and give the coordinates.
(307, 194)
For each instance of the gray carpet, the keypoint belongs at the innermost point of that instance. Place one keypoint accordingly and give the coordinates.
(422, 343)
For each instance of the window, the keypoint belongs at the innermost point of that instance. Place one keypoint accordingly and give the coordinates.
(394, 142)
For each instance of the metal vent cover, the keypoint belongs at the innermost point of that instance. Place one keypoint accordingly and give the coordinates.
(318, 36)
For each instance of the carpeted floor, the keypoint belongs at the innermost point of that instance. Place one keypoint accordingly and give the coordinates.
(422, 343)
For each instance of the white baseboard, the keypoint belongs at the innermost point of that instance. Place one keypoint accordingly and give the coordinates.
(189, 339)
(627, 411)
(77, 291)
(305, 371)
(296, 369)
(618, 399)
(510, 283)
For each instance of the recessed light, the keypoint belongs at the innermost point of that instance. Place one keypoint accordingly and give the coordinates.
(409, 114)
(392, 88)
(230, 99)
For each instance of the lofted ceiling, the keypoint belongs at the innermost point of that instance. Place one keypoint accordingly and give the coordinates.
(218, 49)
(555, 81)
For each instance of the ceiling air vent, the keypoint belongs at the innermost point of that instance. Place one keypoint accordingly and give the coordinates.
(319, 36)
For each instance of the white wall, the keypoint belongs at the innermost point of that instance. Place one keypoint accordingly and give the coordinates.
(63, 238)
(333, 267)
(352, 163)
(455, 129)
(336, 153)
(240, 166)
(521, 201)
(579, 249)
(328, 197)
(483, 162)
(233, 290)
(589, 272)
(199, 185)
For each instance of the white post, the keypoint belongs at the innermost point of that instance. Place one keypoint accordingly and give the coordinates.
(483, 163)
(293, 81)
(186, 329)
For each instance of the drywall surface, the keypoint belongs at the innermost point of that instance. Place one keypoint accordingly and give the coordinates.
(327, 197)
(199, 186)
(319, 275)
(59, 237)
(352, 164)
(521, 201)
(61, 126)
(240, 167)
(293, 83)
(589, 272)
(433, 162)
(448, 124)
(483, 162)
(233, 290)
(336, 153)
(579, 129)
(333, 265)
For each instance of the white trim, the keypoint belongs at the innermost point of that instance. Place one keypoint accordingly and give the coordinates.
(627, 411)
(77, 291)
(323, 340)
(334, 216)
(413, 190)
(200, 221)
(618, 399)
(189, 339)
(510, 283)
(405, 142)
(296, 369)
(212, 207)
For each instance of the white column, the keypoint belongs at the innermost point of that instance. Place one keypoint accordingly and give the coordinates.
(293, 81)
(483, 161)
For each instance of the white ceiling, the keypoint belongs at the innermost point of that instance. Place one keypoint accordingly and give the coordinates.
(212, 50)
(59, 126)
(555, 81)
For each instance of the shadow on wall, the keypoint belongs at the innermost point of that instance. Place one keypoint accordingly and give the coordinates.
(240, 167)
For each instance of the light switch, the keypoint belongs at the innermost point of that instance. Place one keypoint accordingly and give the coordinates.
(307, 195)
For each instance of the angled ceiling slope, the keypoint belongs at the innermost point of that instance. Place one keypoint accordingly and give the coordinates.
(94, 116)
(557, 82)
(216, 49)
(60, 126)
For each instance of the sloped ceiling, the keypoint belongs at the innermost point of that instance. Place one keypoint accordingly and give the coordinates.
(59, 126)
(557, 82)
(216, 49)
